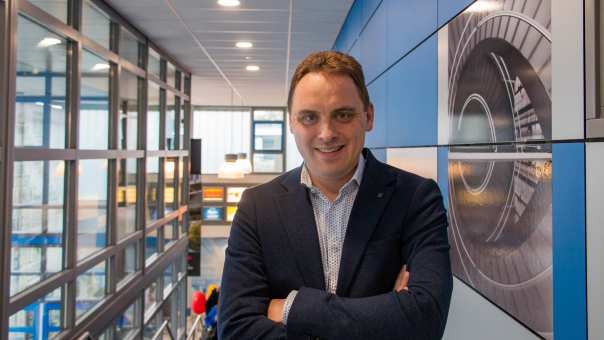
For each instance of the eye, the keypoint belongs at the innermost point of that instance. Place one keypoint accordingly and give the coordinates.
(307, 118)
(344, 116)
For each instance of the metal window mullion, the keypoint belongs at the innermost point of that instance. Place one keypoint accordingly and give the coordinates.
(8, 94)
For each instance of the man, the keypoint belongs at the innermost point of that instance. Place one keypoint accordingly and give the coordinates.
(321, 251)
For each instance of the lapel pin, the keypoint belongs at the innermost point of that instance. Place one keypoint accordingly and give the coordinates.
(380, 195)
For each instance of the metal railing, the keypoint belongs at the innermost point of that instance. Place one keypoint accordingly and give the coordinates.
(161, 331)
(197, 331)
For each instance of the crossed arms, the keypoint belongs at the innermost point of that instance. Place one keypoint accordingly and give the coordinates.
(419, 312)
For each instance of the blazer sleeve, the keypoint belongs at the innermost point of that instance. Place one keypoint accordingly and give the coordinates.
(244, 295)
(419, 313)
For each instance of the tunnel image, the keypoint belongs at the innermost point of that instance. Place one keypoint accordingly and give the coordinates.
(500, 192)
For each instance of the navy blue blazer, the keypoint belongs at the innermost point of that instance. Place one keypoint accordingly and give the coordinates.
(398, 218)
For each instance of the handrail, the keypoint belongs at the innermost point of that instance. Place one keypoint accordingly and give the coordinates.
(160, 332)
(197, 328)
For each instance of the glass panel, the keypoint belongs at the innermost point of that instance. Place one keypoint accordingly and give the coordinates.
(182, 303)
(129, 322)
(153, 118)
(170, 232)
(40, 99)
(268, 115)
(183, 118)
(151, 246)
(168, 279)
(90, 289)
(181, 182)
(152, 209)
(188, 84)
(154, 63)
(94, 102)
(37, 222)
(151, 296)
(170, 74)
(170, 185)
(126, 197)
(128, 129)
(171, 103)
(268, 162)
(152, 326)
(129, 46)
(267, 136)
(95, 24)
(46, 311)
(56, 8)
(127, 263)
(92, 206)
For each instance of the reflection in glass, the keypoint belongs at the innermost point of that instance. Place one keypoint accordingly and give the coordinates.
(153, 118)
(94, 102)
(267, 136)
(170, 233)
(56, 8)
(276, 115)
(92, 206)
(95, 24)
(153, 326)
(182, 302)
(151, 296)
(171, 103)
(170, 74)
(90, 289)
(181, 182)
(128, 121)
(268, 162)
(169, 185)
(152, 208)
(154, 63)
(126, 197)
(128, 323)
(151, 246)
(37, 222)
(168, 279)
(183, 118)
(40, 99)
(126, 263)
(129, 47)
(25, 324)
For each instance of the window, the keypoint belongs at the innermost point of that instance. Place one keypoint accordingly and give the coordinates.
(25, 324)
(170, 185)
(151, 246)
(40, 109)
(170, 74)
(154, 63)
(153, 116)
(92, 206)
(127, 263)
(126, 197)
(128, 111)
(90, 289)
(152, 208)
(130, 47)
(128, 323)
(268, 135)
(94, 102)
(171, 105)
(56, 8)
(96, 24)
(184, 113)
(37, 222)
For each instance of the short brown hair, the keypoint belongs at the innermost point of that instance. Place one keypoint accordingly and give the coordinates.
(330, 62)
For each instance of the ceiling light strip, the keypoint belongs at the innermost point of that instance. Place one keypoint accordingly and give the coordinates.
(203, 49)
(289, 45)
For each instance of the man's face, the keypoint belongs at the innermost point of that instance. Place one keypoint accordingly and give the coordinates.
(329, 122)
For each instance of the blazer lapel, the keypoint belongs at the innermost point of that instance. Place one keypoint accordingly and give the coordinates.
(374, 193)
(298, 219)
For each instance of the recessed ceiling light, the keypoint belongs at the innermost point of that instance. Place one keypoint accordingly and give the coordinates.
(252, 68)
(229, 3)
(248, 58)
(244, 44)
(100, 67)
(47, 42)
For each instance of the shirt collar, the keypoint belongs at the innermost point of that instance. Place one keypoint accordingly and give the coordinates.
(356, 177)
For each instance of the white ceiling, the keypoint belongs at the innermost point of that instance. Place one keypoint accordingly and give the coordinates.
(315, 25)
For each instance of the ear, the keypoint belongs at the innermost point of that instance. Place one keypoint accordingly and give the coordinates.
(370, 115)
(290, 121)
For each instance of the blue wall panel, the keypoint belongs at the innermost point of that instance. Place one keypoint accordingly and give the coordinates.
(373, 45)
(568, 184)
(350, 29)
(409, 22)
(368, 6)
(377, 93)
(412, 98)
(442, 170)
(447, 9)
(380, 154)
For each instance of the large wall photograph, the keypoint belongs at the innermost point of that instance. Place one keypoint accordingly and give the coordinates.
(498, 103)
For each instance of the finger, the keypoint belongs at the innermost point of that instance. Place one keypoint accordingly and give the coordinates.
(399, 281)
(405, 281)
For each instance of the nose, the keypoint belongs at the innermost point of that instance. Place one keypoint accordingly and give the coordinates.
(327, 131)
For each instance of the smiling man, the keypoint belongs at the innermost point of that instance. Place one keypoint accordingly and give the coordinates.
(343, 247)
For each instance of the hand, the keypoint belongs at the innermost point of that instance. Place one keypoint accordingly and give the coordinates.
(275, 310)
(402, 280)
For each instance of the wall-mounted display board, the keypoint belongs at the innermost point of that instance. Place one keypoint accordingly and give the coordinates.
(508, 73)
(212, 194)
(212, 214)
(230, 213)
(234, 194)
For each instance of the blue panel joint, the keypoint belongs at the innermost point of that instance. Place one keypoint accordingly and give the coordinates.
(568, 184)
(442, 173)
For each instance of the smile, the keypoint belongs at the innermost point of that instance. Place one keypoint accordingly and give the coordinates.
(330, 149)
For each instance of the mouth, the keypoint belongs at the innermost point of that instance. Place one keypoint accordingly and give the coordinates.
(329, 149)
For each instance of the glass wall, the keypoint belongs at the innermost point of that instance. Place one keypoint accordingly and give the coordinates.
(94, 186)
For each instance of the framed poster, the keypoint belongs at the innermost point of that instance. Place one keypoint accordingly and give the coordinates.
(212, 194)
(212, 214)
(234, 194)
(230, 213)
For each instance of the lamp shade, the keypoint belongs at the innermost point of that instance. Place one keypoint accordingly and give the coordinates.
(229, 168)
(244, 163)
